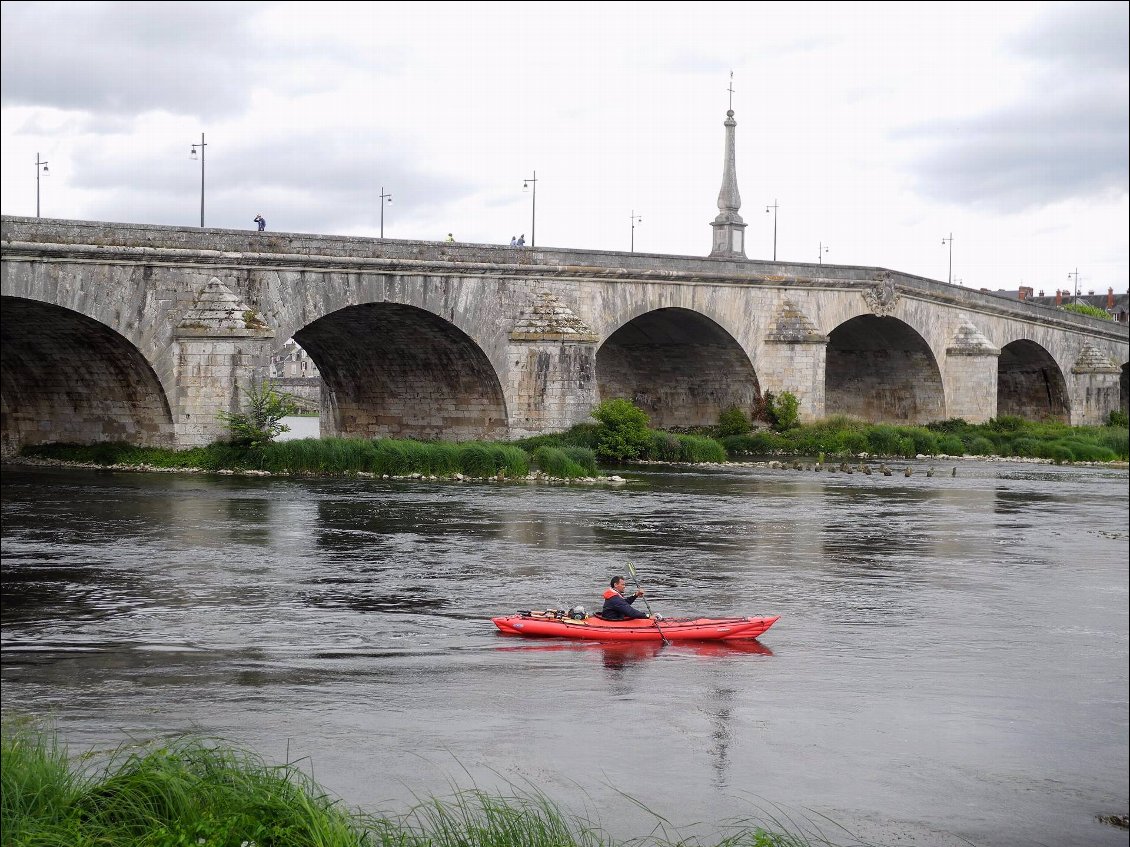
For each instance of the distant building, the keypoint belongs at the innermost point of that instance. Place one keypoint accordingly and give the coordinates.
(1115, 305)
(294, 372)
(292, 362)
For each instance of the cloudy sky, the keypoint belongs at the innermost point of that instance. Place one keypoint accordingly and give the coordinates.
(878, 129)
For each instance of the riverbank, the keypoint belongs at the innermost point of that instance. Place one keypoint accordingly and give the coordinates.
(572, 456)
(533, 476)
(204, 792)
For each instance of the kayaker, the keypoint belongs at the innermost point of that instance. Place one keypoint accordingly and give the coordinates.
(617, 607)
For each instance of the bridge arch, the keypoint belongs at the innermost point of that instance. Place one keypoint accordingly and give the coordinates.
(1124, 389)
(393, 370)
(679, 366)
(882, 370)
(1030, 384)
(65, 377)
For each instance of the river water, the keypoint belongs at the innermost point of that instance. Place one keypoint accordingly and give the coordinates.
(950, 663)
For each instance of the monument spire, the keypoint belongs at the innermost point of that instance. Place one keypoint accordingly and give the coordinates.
(729, 228)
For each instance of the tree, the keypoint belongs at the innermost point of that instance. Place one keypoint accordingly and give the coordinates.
(261, 422)
(624, 432)
(733, 421)
(784, 410)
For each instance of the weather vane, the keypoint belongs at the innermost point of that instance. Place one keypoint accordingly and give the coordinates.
(731, 90)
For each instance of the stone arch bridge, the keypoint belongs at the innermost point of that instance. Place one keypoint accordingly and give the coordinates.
(120, 332)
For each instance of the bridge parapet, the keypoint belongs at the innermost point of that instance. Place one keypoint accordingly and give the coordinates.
(248, 249)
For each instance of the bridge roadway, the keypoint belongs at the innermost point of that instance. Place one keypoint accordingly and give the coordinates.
(140, 333)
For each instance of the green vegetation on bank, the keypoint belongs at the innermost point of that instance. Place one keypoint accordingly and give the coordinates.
(198, 793)
(1003, 436)
(622, 434)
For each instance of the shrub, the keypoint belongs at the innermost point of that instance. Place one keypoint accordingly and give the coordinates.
(261, 422)
(733, 421)
(953, 425)
(1118, 419)
(624, 432)
(783, 410)
(951, 445)
(978, 445)
(855, 442)
(754, 444)
(884, 440)
(924, 441)
(664, 447)
(1007, 423)
(1024, 447)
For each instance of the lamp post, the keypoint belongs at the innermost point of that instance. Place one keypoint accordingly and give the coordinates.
(635, 218)
(192, 155)
(774, 207)
(385, 198)
(527, 183)
(37, 172)
(949, 241)
(820, 253)
(1075, 273)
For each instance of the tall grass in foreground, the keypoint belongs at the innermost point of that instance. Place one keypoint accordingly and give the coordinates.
(196, 793)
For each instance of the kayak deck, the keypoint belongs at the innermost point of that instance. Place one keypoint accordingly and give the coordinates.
(547, 625)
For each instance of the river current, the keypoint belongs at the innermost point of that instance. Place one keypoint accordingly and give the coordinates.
(950, 665)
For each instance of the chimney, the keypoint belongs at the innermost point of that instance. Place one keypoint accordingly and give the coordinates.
(1058, 297)
(1041, 292)
(1110, 298)
(1024, 293)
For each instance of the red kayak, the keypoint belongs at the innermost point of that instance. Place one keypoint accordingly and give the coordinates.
(553, 624)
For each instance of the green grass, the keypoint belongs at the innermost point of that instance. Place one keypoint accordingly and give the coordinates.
(1004, 436)
(575, 453)
(195, 792)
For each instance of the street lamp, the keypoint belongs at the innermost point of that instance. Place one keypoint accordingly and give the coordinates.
(527, 183)
(820, 253)
(37, 164)
(949, 241)
(774, 207)
(1075, 274)
(635, 218)
(385, 198)
(192, 155)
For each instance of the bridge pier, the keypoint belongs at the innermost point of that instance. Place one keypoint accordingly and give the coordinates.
(971, 375)
(795, 359)
(218, 348)
(551, 358)
(1096, 388)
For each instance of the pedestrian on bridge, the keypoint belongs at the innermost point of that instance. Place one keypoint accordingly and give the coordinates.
(259, 219)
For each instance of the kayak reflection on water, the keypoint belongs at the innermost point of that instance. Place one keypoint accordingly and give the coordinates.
(618, 654)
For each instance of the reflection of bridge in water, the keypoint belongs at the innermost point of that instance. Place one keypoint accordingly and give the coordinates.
(122, 332)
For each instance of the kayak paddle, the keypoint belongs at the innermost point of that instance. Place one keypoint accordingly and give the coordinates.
(632, 571)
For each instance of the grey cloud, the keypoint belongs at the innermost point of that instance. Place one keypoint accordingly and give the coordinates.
(1067, 138)
(1076, 35)
(129, 58)
(310, 182)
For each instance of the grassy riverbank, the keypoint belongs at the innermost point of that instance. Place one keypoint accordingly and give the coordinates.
(574, 454)
(341, 456)
(193, 793)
